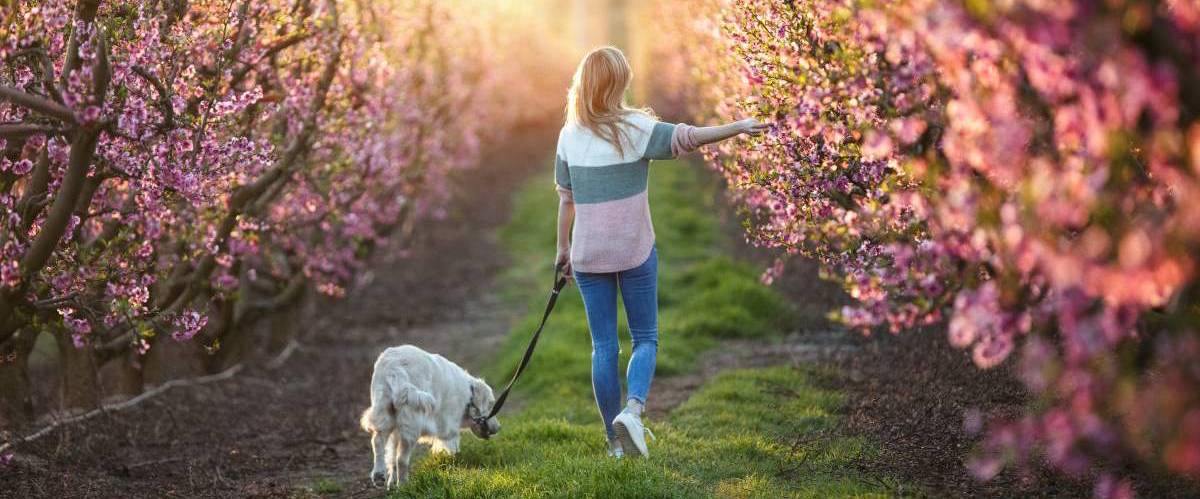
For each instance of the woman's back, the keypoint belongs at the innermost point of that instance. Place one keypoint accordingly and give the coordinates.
(613, 231)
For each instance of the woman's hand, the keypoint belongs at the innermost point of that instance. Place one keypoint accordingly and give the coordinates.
(564, 260)
(751, 126)
(713, 134)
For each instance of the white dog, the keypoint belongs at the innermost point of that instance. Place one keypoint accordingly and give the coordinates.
(421, 397)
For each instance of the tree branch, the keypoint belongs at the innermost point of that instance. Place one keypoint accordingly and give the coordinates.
(38, 104)
(34, 197)
(46, 69)
(164, 97)
(65, 199)
(277, 47)
(22, 130)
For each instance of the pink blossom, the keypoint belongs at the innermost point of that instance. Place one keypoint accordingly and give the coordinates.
(22, 167)
(187, 325)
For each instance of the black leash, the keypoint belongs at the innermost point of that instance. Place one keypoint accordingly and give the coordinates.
(560, 281)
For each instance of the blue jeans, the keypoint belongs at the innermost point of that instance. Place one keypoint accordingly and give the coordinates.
(639, 291)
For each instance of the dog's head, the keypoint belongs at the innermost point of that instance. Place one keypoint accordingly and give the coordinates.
(482, 400)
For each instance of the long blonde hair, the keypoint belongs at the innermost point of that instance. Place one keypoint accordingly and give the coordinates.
(597, 96)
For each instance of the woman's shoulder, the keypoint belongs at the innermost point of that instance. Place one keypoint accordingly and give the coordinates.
(569, 128)
(573, 141)
(569, 135)
(641, 119)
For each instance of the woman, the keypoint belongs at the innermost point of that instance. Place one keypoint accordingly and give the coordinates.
(601, 171)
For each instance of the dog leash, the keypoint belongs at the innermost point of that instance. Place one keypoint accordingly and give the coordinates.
(560, 281)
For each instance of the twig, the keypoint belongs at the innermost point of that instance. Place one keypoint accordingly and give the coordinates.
(53, 302)
(283, 356)
(103, 409)
(273, 364)
(156, 461)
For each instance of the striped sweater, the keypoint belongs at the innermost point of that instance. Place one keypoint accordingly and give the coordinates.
(613, 231)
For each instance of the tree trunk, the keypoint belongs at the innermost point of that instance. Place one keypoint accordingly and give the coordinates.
(234, 344)
(287, 324)
(77, 366)
(16, 398)
(131, 379)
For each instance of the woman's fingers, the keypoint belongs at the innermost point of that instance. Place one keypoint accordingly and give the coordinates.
(754, 127)
(563, 261)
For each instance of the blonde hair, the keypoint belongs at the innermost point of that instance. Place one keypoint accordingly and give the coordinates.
(596, 100)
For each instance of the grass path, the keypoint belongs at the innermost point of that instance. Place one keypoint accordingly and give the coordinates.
(730, 439)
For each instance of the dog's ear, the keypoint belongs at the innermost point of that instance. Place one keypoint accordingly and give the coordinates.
(482, 394)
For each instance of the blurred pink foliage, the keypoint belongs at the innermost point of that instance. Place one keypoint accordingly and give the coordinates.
(1027, 170)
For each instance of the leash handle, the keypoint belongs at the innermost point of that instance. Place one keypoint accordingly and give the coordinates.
(560, 281)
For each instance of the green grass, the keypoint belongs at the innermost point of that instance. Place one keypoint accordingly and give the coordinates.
(728, 440)
(327, 486)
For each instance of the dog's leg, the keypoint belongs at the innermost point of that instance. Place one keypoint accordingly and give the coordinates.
(405, 450)
(379, 452)
(451, 444)
(401, 451)
(393, 459)
(445, 445)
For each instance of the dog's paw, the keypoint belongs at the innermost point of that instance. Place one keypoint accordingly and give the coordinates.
(397, 479)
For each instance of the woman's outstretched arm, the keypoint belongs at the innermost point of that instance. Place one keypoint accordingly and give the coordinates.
(688, 138)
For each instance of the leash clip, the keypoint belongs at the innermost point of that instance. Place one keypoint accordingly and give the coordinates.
(484, 431)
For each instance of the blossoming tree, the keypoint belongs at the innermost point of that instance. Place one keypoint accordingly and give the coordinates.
(1026, 170)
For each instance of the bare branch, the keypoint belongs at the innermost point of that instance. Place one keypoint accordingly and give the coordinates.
(102, 70)
(22, 130)
(277, 47)
(51, 303)
(34, 197)
(37, 104)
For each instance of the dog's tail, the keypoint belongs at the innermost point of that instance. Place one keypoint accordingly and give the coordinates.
(405, 395)
(390, 395)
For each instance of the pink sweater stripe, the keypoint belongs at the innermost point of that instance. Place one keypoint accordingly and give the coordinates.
(684, 139)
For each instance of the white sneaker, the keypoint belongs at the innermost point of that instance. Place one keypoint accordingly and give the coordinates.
(615, 450)
(631, 433)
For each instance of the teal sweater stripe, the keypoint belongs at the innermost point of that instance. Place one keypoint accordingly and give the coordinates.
(597, 184)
